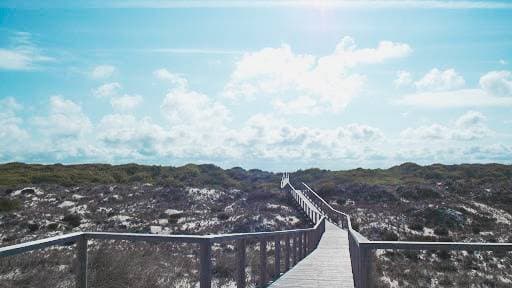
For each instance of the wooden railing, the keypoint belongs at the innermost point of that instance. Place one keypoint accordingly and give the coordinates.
(361, 248)
(298, 244)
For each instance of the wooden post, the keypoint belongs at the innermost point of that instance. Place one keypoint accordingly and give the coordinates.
(287, 253)
(205, 262)
(82, 262)
(300, 247)
(364, 266)
(263, 263)
(240, 271)
(312, 243)
(304, 245)
(294, 250)
(277, 259)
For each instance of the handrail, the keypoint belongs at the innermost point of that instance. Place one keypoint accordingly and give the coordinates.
(39, 244)
(361, 248)
(298, 244)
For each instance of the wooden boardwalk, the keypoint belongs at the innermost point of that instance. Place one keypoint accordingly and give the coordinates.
(327, 266)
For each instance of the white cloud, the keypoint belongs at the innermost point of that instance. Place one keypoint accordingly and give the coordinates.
(197, 124)
(497, 83)
(186, 107)
(299, 105)
(270, 137)
(119, 102)
(325, 80)
(469, 126)
(437, 80)
(22, 54)
(495, 90)
(126, 102)
(175, 79)
(107, 90)
(103, 71)
(65, 119)
(9, 105)
(126, 136)
(13, 137)
(403, 78)
(503, 62)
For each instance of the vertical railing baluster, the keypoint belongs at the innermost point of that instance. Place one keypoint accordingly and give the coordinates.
(205, 262)
(82, 262)
(263, 263)
(287, 253)
(304, 245)
(240, 271)
(294, 250)
(300, 247)
(277, 259)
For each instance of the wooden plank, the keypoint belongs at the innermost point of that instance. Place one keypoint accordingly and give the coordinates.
(327, 266)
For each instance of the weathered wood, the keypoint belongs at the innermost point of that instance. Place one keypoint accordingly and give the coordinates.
(294, 250)
(287, 253)
(240, 270)
(205, 263)
(364, 267)
(39, 244)
(263, 263)
(328, 266)
(301, 255)
(81, 279)
(304, 245)
(277, 258)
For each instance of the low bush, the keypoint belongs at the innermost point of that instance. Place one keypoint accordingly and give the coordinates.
(389, 236)
(441, 231)
(72, 220)
(416, 226)
(7, 205)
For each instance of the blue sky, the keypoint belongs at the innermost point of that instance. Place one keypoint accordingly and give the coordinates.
(258, 84)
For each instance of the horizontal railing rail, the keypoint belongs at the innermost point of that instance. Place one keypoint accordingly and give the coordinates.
(361, 248)
(298, 243)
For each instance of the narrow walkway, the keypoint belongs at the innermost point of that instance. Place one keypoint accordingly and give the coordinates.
(327, 266)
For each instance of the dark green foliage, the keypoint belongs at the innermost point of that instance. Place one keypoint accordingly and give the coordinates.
(441, 217)
(417, 192)
(441, 231)
(8, 205)
(389, 236)
(222, 216)
(416, 226)
(52, 226)
(259, 195)
(341, 202)
(444, 255)
(327, 189)
(72, 220)
(32, 226)
(206, 175)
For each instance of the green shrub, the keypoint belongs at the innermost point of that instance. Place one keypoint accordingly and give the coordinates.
(7, 205)
(441, 231)
(389, 236)
(73, 220)
(416, 226)
(222, 216)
